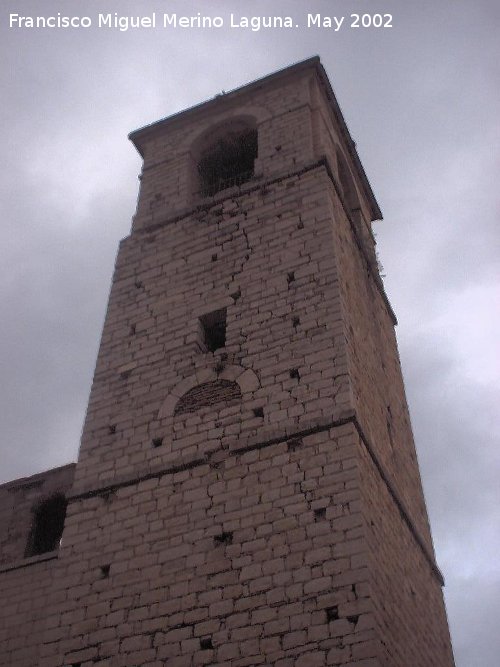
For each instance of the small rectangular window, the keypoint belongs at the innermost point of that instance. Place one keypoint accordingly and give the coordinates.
(213, 330)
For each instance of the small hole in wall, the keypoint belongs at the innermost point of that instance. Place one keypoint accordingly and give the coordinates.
(206, 643)
(224, 538)
(132, 329)
(353, 619)
(290, 277)
(332, 614)
(319, 513)
(105, 571)
(108, 495)
(295, 321)
(300, 225)
(236, 295)
(258, 412)
(294, 374)
(156, 442)
(112, 429)
(138, 284)
(294, 444)
(214, 257)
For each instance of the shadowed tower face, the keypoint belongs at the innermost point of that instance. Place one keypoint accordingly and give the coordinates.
(247, 491)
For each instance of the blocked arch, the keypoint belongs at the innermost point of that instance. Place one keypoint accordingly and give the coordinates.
(245, 378)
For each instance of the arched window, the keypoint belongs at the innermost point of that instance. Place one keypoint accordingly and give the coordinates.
(48, 524)
(229, 159)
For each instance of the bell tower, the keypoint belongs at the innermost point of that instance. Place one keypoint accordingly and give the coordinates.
(247, 490)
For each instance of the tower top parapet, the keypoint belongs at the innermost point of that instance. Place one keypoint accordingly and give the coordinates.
(142, 136)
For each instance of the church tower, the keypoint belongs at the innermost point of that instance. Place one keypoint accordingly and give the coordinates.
(247, 490)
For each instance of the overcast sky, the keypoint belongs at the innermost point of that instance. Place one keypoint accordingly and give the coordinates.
(421, 100)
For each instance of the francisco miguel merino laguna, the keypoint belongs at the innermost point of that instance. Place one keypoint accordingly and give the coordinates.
(124, 23)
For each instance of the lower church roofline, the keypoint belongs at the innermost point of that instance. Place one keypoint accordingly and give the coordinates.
(36, 477)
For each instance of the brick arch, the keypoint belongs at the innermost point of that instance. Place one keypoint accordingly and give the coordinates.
(208, 394)
(245, 378)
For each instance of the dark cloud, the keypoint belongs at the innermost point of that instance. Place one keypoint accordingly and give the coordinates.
(420, 100)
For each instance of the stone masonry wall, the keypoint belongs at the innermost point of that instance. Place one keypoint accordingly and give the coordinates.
(266, 256)
(375, 372)
(406, 593)
(256, 557)
(27, 591)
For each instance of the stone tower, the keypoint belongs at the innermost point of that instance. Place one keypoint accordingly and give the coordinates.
(247, 491)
